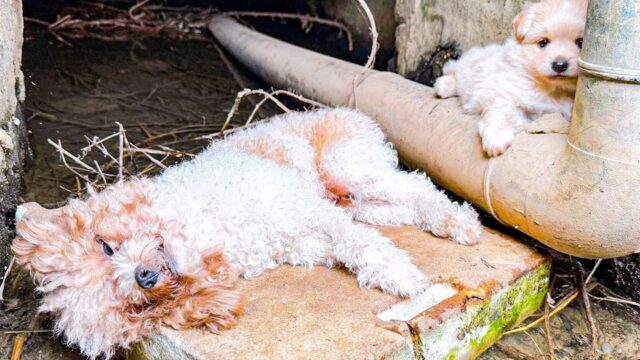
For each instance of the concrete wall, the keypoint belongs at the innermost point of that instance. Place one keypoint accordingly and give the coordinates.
(427, 27)
(12, 127)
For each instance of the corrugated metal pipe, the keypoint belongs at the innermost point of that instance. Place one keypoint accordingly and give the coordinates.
(578, 193)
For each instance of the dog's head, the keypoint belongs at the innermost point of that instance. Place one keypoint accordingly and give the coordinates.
(549, 35)
(112, 271)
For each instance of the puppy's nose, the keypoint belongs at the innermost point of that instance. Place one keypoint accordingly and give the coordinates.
(560, 66)
(146, 278)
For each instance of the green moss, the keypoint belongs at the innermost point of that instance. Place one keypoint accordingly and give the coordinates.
(484, 322)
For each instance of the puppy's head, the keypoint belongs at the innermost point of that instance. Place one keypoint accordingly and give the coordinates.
(549, 35)
(112, 271)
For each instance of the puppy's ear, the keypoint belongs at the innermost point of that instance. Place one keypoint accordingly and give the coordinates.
(523, 21)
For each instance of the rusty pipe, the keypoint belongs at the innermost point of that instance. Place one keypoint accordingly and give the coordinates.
(547, 185)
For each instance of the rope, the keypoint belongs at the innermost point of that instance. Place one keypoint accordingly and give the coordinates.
(588, 153)
(487, 190)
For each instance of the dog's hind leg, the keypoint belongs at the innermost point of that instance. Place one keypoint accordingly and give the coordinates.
(398, 198)
(381, 194)
(445, 86)
(374, 258)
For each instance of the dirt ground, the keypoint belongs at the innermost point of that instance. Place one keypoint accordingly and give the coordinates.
(168, 93)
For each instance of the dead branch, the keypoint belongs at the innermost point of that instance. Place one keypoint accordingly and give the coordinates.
(372, 55)
(547, 322)
(18, 344)
(587, 306)
(513, 352)
(4, 278)
(586, 286)
(108, 23)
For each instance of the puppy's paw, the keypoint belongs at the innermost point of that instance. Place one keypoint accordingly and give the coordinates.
(445, 86)
(497, 140)
(466, 228)
(402, 279)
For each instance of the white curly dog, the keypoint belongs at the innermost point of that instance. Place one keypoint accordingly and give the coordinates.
(168, 250)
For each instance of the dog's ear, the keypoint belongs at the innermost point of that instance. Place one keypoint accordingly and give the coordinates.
(523, 21)
(208, 298)
(45, 238)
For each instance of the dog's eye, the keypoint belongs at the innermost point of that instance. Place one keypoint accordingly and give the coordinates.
(105, 247)
(543, 43)
(579, 43)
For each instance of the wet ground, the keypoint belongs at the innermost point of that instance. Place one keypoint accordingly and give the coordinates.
(167, 94)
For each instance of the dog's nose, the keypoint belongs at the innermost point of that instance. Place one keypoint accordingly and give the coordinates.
(146, 278)
(560, 66)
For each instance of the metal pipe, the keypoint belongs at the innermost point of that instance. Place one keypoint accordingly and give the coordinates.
(576, 196)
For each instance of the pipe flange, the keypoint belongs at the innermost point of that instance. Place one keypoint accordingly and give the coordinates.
(609, 72)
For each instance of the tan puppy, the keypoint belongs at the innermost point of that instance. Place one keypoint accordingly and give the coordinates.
(533, 73)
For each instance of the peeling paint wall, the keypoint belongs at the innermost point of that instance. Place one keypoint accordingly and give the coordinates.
(425, 25)
(12, 128)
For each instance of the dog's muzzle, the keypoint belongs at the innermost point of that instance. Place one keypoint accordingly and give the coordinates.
(146, 278)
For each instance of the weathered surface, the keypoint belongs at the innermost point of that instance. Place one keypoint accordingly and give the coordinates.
(424, 25)
(11, 125)
(297, 313)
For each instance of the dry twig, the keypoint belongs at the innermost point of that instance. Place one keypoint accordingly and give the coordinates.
(18, 344)
(110, 23)
(587, 306)
(4, 278)
(513, 352)
(547, 329)
(267, 96)
(372, 55)
(588, 286)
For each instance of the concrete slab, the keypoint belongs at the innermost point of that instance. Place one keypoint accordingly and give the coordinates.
(297, 313)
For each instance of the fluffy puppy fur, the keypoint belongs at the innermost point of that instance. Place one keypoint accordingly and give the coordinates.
(168, 250)
(533, 73)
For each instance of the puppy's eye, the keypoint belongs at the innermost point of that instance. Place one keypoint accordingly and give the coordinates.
(543, 43)
(105, 247)
(579, 43)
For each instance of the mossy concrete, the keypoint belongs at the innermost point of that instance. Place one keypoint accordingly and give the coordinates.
(295, 313)
(12, 128)
(426, 25)
(483, 320)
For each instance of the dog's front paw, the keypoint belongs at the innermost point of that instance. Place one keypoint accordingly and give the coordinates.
(445, 86)
(497, 141)
(401, 279)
